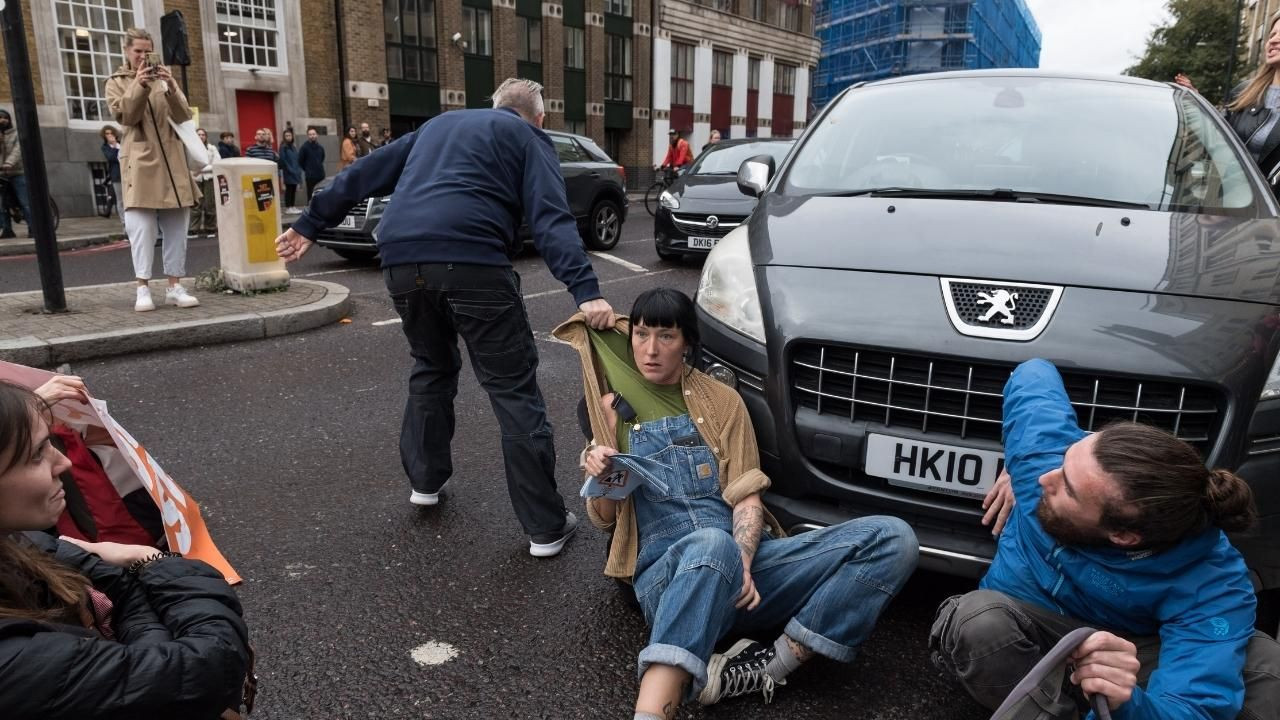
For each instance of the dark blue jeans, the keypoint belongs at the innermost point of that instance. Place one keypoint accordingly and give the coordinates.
(18, 189)
(439, 302)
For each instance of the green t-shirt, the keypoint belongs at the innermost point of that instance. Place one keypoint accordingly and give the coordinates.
(650, 401)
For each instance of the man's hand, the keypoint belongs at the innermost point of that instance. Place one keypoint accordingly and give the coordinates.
(291, 246)
(749, 598)
(62, 387)
(998, 503)
(599, 312)
(1107, 665)
(117, 554)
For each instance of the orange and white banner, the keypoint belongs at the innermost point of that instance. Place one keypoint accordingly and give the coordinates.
(183, 524)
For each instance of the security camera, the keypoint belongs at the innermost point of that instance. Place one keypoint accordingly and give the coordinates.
(457, 36)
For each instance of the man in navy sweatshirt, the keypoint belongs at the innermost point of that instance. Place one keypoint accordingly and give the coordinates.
(462, 183)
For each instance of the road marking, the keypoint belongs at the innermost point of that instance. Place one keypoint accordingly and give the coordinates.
(434, 653)
(331, 272)
(628, 265)
(544, 293)
(548, 337)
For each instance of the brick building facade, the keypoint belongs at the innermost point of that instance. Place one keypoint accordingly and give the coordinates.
(606, 65)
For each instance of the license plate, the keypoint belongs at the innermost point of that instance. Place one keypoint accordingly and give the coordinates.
(348, 222)
(948, 469)
(701, 243)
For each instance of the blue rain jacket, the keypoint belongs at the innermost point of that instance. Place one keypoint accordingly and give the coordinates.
(1197, 595)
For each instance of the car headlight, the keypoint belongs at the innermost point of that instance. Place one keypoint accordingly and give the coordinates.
(668, 201)
(727, 291)
(1272, 388)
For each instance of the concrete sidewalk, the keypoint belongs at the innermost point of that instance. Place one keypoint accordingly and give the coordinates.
(80, 232)
(101, 320)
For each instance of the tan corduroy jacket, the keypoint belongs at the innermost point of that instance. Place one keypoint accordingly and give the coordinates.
(722, 421)
(153, 160)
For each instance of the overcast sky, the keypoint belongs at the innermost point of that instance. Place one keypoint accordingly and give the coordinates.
(1104, 36)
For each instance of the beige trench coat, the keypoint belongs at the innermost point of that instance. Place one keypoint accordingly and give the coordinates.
(153, 160)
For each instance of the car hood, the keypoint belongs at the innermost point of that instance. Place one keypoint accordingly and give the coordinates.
(1119, 249)
(712, 193)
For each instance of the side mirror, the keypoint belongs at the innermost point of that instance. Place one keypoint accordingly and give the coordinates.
(754, 174)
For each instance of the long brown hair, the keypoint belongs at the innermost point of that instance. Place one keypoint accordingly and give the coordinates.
(33, 586)
(1167, 492)
(1264, 78)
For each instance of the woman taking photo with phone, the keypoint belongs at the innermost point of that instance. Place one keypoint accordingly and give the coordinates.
(101, 630)
(158, 189)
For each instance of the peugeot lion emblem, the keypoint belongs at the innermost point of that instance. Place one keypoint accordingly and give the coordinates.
(1000, 303)
(999, 309)
(713, 222)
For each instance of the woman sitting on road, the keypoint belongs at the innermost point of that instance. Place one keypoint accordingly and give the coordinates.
(101, 630)
(705, 557)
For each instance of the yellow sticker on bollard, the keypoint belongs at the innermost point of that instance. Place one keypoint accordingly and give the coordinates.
(261, 223)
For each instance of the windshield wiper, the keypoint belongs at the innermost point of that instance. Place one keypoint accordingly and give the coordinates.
(1027, 196)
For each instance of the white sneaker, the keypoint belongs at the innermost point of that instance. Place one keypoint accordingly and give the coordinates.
(177, 295)
(418, 498)
(143, 303)
(550, 545)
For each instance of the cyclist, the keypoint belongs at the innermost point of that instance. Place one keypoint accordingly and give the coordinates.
(11, 170)
(679, 156)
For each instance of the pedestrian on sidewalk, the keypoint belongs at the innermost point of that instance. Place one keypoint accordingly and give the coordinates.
(347, 152)
(227, 147)
(366, 143)
(158, 189)
(462, 184)
(111, 151)
(386, 138)
(11, 171)
(78, 617)
(290, 171)
(204, 221)
(261, 148)
(311, 158)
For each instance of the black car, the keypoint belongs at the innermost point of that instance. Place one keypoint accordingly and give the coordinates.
(704, 203)
(595, 184)
(929, 233)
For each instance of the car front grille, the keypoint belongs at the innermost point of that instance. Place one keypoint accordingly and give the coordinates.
(696, 225)
(361, 209)
(965, 400)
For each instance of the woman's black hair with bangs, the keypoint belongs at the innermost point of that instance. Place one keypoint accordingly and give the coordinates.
(668, 307)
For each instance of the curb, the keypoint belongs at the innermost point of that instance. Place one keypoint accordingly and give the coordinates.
(71, 243)
(32, 351)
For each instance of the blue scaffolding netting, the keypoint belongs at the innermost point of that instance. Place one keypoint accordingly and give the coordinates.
(866, 40)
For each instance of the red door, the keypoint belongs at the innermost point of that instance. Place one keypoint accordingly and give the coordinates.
(255, 110)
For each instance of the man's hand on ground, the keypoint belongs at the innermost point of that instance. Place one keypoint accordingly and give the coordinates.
(290, 245)
(599, 312)
(1108, 665)
(998, 503)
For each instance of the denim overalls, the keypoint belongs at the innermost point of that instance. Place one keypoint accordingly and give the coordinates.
(826, 586)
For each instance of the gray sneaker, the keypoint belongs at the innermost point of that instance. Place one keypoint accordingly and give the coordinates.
(739, 671)
(550, 544)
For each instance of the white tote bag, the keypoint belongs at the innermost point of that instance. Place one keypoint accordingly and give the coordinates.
(197, 153)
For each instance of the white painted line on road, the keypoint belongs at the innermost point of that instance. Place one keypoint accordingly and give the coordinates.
(434, 653)
(617, 260)
(331, 272)
(544, 293)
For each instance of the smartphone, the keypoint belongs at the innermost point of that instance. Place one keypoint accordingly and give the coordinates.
(153, 59)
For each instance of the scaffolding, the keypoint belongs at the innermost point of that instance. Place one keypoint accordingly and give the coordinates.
(866, 40)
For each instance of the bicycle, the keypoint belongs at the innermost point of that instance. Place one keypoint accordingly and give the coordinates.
(10, 204)
(104, 196)
(655, 190)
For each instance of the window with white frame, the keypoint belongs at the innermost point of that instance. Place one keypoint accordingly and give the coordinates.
(618, 7)
(90, 40)
(477, 31)
(529, 37)
(784, 79)
(721, 68)
(681, 74)
(575, 48)
(617, 68)
(249, 34)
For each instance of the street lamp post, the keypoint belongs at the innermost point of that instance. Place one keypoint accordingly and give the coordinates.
(40, 220)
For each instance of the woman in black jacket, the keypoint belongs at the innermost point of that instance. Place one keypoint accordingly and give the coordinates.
(92, 631)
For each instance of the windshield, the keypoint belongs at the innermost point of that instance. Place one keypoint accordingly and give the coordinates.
(725, 159)
(1106, 140)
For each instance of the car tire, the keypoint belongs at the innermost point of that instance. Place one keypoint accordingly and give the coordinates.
(604, 225)
(356, 255)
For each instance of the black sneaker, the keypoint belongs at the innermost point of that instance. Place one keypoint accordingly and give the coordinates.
(550, 544)
(740, 671)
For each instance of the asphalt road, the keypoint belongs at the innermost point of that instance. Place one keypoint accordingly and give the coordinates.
(290, 445)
